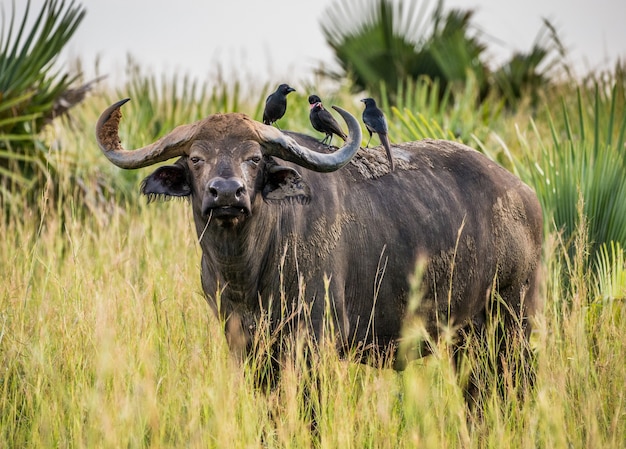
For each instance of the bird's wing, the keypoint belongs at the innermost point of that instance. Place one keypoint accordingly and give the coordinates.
(381, 123)
(330, 123)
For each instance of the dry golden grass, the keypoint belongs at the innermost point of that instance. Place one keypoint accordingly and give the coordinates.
(106, 341)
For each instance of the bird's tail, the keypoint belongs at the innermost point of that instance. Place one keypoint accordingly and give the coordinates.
(385, 141)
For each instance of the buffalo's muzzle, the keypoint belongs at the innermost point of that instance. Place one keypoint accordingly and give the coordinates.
(226, 197)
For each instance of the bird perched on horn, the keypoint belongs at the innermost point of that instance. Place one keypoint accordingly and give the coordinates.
(323, 121)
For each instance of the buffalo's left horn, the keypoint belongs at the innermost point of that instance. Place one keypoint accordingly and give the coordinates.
(107, 134)
(275, 143)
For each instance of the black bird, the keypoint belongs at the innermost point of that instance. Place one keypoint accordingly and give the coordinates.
(375, 122)
(276, 104)
(323, 121)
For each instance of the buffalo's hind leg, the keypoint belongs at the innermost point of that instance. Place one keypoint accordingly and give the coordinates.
(497, 346)
(512, 314)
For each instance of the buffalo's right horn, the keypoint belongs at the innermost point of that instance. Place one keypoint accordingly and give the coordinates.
(275, 143)
(172, 145)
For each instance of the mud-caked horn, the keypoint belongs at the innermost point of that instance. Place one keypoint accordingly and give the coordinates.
(172, 145)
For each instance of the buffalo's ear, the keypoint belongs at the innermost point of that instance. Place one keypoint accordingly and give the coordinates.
(284, 183)
(167, 181)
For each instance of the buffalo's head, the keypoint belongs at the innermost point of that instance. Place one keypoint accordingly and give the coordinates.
(225, 161)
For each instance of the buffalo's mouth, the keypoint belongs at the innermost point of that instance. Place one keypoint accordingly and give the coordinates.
(229, 212)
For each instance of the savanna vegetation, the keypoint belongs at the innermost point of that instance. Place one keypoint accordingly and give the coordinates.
(105, 337)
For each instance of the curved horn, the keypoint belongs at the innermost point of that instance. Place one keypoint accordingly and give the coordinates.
(275, 143)
(107, 134)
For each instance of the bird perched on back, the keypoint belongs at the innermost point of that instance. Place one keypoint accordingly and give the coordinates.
(276, 104)
(323, 121)
(375, 122)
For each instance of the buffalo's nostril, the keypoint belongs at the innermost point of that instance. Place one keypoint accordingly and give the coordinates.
(226, 192)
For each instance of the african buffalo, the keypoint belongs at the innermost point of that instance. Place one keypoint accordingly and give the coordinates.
(285, 226)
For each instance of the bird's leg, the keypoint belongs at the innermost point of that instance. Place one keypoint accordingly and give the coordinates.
(368, 141)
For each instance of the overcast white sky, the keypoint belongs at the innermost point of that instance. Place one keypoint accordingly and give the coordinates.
(281, 40)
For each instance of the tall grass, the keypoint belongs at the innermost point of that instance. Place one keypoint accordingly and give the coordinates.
(106, 341)
(423, 110)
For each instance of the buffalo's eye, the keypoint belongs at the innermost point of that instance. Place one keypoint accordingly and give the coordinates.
(195, 160)
(254, 160)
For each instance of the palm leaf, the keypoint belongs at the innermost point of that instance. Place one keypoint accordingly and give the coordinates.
(577, 163)
(28, 56)
(31, 89)
(610, 269)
